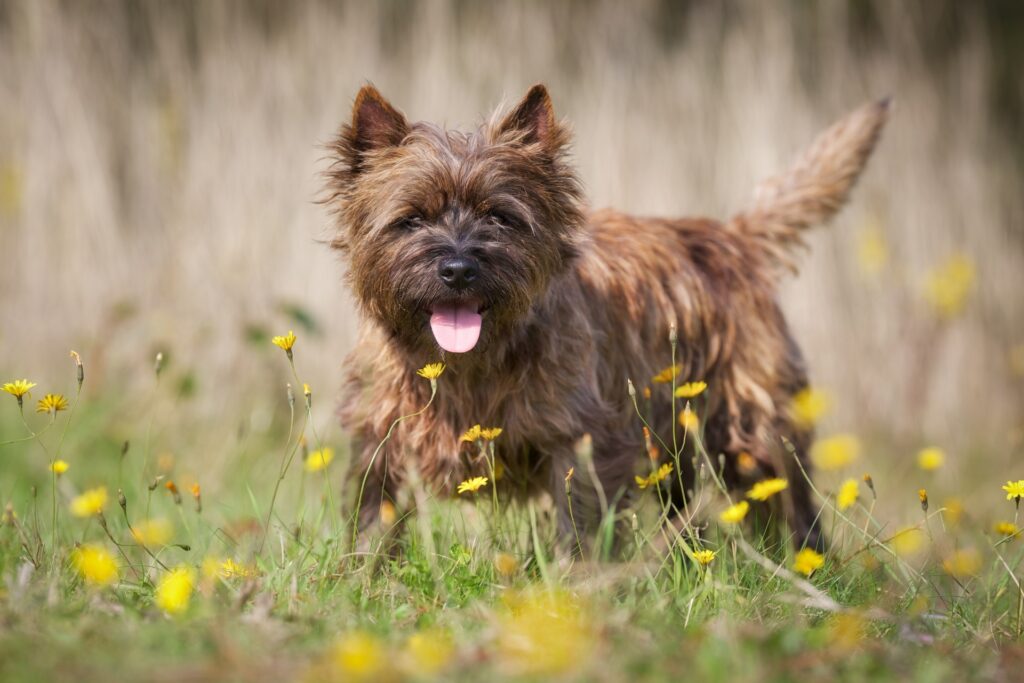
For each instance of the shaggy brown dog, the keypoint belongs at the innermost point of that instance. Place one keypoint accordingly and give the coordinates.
(476, 249)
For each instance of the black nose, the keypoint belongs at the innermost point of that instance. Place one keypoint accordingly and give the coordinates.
(458, 272)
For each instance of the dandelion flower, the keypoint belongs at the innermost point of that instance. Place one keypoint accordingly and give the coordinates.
(90, 503)
(473, 485)
(872, 250)
(52, 403)
(808, 561)
(808, 406)
(1014, 490)
(490, 433)
(472, 434)
(930, 459)
(427, 652)
(689, 420)
(59, 467)
(907, 542)
(952, 511)
(153, 533)
(1006, 529)
(948, 286)
(835, 452)
(174, 590)
(691, 389)
(285, 342)
(319, 459)
(963, 564)
(922, 495)
(659, 475)
(746, 462)
(229, 569)
(667, 375)
(544, 634)
(359, 656)
(95, 564)
(506, 564)
(431, 370)
(849, 491)
(18, 388)
(734, 514)
(704, 557)
(763, 490)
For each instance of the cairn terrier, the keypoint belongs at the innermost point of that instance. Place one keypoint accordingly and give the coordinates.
(477, 249)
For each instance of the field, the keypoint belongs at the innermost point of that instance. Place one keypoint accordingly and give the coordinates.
(159, 166)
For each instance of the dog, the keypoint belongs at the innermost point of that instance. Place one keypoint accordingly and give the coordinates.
(477, 249)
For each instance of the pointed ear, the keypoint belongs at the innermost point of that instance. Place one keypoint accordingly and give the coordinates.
(533, 118)
(375, 123)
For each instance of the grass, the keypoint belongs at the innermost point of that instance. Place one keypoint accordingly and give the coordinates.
(476, 589)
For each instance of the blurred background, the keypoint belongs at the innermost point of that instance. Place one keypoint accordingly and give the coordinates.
(160, 164)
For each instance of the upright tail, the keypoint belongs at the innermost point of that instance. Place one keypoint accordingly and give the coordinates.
(814, 188)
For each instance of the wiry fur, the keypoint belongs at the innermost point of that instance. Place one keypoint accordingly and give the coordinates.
(578, 302)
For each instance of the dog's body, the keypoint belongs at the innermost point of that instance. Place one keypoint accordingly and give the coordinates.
(554, 308)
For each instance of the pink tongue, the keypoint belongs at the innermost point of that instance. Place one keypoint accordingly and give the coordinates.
(456, 327)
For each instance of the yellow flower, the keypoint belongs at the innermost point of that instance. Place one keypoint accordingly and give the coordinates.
(95, 564)
(544, 634)
(506, 564)
(660, 475)
(922, 495)
(359, 656)
(431, 370)
(18, 388)
(319, 459)
(952, 511)
(490, 434)
(153, 532)
(948, 286)
(667, 375)
(229, 569)
(808, 561)
(285, 342)
(59, 467)
(90, 503)
(427, 652)
(907, 541)
(704, 556)
(1006, 529)
(835, 452)
(808, 406)
(931, 458)
(214, 567)
(473, 485)
(174, 590)
(848, 494)
(872, 250)
(691, 389)
(746, 462)
(472, 434)
(1014, 490)
(763, 490)
(689, 420)
(847, 631)
(963, 564)
(52, 403)
(734, 514)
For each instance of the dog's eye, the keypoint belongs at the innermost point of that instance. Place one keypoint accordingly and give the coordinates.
(407, 223)
(505, 219)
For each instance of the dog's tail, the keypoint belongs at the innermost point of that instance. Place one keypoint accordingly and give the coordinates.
(814, 188)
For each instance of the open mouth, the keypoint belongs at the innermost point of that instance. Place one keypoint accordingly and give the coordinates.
(456, 325)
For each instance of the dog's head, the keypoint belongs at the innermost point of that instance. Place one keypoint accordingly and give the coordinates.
(450, 237)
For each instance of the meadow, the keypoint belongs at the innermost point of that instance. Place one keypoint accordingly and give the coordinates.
(176, 493)
(145, 573)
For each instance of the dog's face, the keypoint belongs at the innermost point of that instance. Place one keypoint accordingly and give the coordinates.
(450, 237)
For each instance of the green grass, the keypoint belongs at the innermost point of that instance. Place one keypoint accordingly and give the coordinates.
(313, 607)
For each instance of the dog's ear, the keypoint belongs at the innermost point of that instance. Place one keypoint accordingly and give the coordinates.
(533, 118)
(375, 123)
